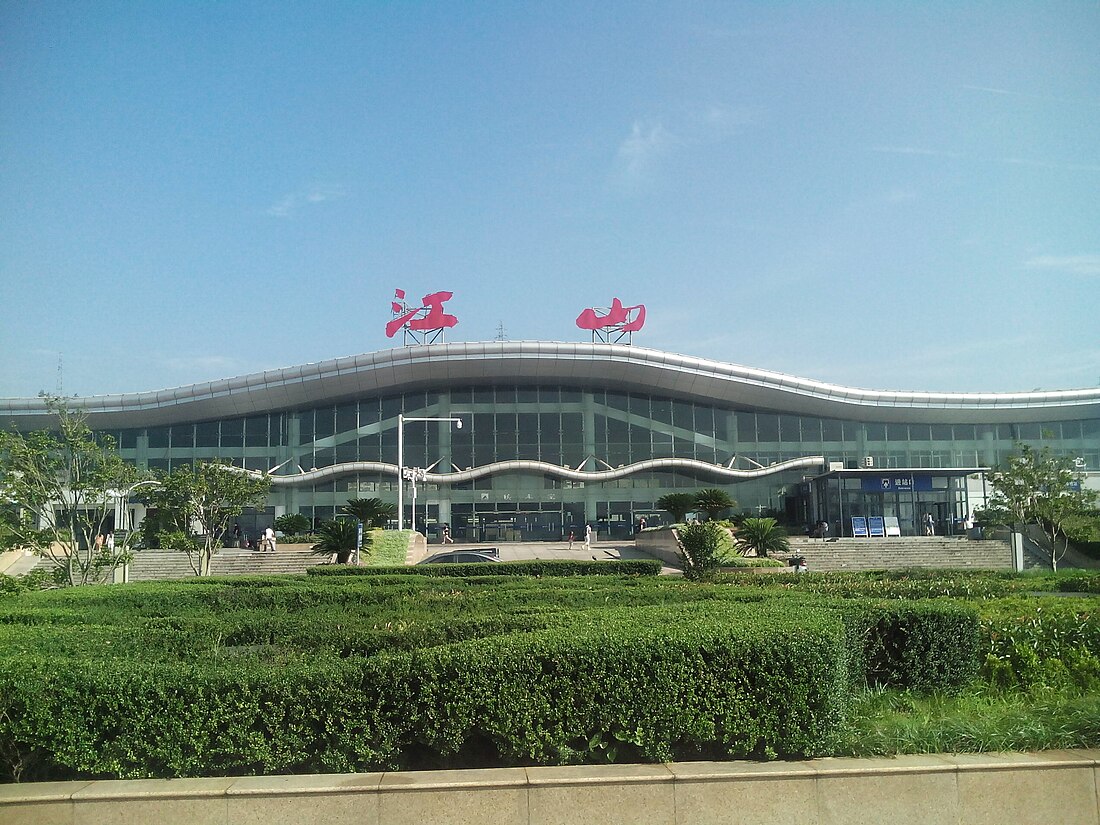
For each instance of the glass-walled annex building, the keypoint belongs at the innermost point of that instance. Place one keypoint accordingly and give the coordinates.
(555, 436)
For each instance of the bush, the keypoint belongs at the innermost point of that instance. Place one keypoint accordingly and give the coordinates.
(929, 645)
(368, 668)
(535, 567)
(631, 686)
(704, 548)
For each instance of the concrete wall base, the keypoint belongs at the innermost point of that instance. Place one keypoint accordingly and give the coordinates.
(962, 789)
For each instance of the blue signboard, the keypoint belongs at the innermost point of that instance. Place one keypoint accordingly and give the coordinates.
(877, 526)
(897, 484)
(859, 526)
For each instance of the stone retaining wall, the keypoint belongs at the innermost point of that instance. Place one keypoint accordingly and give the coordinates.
(965, 789)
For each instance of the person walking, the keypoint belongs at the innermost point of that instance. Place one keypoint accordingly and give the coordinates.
(588, 537)
(572, 538)
(269, 540)
(929, 525)
(447, 534)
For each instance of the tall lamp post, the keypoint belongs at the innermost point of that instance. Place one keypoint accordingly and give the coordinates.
(402, 420)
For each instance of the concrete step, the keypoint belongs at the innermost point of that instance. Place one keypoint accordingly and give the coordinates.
(902, 553)
(150, 565)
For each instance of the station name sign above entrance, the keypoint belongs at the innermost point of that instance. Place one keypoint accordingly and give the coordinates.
(425, 324)
(897, 484)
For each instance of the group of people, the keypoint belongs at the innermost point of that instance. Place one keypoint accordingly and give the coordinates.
(587, 537)
(264, 544)
(105, 540)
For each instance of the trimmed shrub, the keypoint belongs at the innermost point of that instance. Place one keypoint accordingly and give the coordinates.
(370, 669)
(931, 645)
(536, 567)
(704, 546)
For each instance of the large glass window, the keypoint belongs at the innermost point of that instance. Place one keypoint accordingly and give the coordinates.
(746, 427)
(347, 418)
(233, 433)
(183, 436)
(206, 434)
(767, 427)
(255, 431)
(789, 430)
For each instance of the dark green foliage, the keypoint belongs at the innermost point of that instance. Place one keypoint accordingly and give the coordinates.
(292, 524)
(338, 538)
(390, 670)
(373, 512)
(918, 645)
(702, 549)
(1052, 643)
(761, 536)
(534, 567)
(676, 505)
(634, 685)
(714, 501)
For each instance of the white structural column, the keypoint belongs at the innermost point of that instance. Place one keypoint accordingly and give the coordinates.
(401, 421)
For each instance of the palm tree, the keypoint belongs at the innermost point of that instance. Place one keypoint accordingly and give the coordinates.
(714, 502)
(292, 524)
(338, 538)
(676, 505)
(761, 536)
(373, 512)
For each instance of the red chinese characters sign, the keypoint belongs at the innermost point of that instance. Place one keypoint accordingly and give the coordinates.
(614, 323)
(426, 319)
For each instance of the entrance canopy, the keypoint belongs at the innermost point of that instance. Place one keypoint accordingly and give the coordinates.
(902, 496)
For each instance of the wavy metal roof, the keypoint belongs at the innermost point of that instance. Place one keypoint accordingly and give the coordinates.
(609, 366)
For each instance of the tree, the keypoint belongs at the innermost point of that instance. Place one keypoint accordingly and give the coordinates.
(714, 501)
(200, 503)
(373, 512)
(1036, 487)
(337, 538)
(292, 524)
(677, 505)
(63, 489)
(761, 536)
(702, 549)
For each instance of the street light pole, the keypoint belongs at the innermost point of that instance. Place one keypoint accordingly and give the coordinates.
(401, 421)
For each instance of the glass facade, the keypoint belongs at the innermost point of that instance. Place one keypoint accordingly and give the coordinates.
(574, 428)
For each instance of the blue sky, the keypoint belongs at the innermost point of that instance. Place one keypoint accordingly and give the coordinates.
(885, 195)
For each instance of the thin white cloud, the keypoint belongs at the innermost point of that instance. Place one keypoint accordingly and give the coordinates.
(640, 152)
(1043, 164)
(1071, 264)
(993, 90)
(1010, 161)
(637, 153)
(289, 204)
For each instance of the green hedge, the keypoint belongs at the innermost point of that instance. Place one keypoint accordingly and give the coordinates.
(924, 645)
(359, 672)
(630, 686)
(535, 567)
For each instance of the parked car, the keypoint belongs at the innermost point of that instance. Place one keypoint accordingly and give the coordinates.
(463, 557)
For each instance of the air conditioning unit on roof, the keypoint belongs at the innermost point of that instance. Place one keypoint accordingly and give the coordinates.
(869, 461)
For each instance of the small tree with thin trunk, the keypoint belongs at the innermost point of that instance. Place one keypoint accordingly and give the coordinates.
(201, 502)
(1036, 487)
(62, 489)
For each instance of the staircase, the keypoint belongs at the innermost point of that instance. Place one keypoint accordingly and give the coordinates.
(149, 565)
(852, 554)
